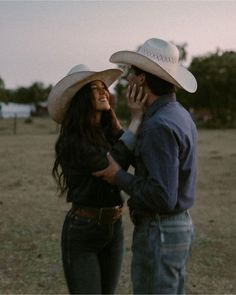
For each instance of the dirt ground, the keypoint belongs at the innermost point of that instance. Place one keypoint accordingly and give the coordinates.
(31, 215)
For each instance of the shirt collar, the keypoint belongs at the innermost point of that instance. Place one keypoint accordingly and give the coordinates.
(161, 101)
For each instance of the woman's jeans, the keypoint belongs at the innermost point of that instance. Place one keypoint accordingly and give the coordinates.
(160, 250)
(91, 254)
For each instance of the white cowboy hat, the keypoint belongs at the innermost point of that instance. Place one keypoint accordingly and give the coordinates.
(161, 59)
(62, 93)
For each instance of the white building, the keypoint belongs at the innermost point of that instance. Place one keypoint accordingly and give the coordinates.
(9, 110)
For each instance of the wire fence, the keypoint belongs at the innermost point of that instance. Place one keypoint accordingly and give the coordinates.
(33, 126)
(28, 126)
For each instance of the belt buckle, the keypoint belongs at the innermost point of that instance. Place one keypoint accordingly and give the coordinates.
(111, 214)
(117, 210)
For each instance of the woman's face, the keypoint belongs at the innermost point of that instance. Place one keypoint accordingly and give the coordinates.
(100, 96)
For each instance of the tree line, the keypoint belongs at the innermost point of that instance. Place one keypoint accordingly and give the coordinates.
(34, 94)
(213, 105)
(216, 76)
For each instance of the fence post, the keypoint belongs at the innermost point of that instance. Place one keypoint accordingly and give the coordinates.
(15, 124)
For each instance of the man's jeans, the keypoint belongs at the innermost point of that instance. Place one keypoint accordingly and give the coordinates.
(92, 255)
(160, 250)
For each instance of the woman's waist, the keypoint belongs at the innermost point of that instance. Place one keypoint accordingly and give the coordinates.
(100, 214)
(94, 199)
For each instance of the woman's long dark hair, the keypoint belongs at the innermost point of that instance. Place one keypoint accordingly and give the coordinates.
(78, 124)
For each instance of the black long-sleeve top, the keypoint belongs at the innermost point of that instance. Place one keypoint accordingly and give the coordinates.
(86, 190)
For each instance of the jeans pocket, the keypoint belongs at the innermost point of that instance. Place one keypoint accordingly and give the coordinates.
(80, 221)
(175, 245)
(82, 229)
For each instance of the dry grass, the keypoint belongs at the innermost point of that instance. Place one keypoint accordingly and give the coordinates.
(31, 215)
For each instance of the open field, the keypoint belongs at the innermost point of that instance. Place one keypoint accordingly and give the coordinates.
(31, 215)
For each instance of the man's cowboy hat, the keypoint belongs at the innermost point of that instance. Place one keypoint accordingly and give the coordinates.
(62, 93)
(161, 59)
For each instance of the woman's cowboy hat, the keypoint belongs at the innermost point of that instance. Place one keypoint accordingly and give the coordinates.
(161, 59)
(62, 93)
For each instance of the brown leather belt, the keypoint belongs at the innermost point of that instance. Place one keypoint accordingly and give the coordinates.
(100, 215)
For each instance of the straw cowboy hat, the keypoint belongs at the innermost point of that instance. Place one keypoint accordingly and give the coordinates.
(61, 94)
(161, 59)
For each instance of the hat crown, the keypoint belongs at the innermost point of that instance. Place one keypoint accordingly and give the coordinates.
(79, 68)
(61, 94)
(161, 59)
(160, 50)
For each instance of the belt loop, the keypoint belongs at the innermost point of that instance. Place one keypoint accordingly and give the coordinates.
(157, 217)
(100, 215)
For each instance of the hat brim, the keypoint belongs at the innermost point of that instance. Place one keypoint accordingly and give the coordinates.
(180, 77)
(62, 93)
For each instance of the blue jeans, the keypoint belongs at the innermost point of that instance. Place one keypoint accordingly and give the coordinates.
(160, 250)
(92, 255)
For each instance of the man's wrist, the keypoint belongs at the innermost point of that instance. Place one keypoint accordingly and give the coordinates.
(129, 139)
(134, 125)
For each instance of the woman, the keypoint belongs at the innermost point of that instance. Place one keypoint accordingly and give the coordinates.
(92, 235)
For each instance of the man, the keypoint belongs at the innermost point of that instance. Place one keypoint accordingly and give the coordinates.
(163, 187)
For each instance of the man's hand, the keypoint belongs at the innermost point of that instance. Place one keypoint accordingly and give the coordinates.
(109, 173)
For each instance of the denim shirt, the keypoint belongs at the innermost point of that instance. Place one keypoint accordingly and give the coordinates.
(165, 160)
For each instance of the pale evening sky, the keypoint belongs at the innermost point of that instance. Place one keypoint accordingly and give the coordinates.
(42, 40)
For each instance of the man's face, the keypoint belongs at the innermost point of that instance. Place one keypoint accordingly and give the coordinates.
(132, 78)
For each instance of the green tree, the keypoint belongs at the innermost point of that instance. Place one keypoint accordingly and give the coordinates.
(38, 92)
(182, 51)
(2, 84)
(122, 110)
(3, 93)
(35, 94)
(216, 92)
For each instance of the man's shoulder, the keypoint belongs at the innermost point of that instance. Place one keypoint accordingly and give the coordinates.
(178, 121)
(154, 124)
